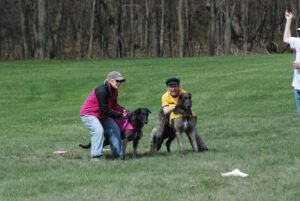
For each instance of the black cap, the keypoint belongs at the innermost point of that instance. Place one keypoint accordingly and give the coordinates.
(172, 81)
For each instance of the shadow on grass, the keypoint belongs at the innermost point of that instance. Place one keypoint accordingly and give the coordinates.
(81, 154)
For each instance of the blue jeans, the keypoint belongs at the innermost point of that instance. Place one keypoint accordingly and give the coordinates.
(99, 128)
(297, 101)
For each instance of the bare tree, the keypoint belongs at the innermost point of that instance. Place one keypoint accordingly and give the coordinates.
(67, 29)
(132, 52)
(90, 48)
(212, 23)
(228, 21)
(119, 43)
(57, 29)
(24, 14)
(244, 25)
(42, 41)
(180, 28)
(146, 43)
(155, 31)
(162, 28)
(187, 29)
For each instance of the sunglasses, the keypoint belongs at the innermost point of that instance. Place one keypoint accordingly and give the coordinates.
(119, 81)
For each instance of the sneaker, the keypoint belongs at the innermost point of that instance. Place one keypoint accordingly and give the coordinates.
(202, 149)
(96, 158)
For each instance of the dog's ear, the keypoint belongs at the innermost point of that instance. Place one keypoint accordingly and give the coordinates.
(180, 96)
(190, 95)
(180, 99)
(133, 115)
(137, 111)
(148, 111)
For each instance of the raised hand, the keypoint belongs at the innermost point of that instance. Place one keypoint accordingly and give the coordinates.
(288, 15)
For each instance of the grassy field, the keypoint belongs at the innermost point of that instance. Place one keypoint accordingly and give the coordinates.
(245, 108)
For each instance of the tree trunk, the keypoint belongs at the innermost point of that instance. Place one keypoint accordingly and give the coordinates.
(42, 30)
(170, 35)
(155, 32)
(180, 28)
(187, 29)
(90, 48)
(61, 36)
(119, 44)
(244, 25)
(27, 47)
(132, 52)
(211, 32)
(228, 21)
(162, 29)
(147, 27)
(57, 31)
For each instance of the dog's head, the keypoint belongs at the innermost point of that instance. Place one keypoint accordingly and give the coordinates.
(184, 104)
(141, 115)
(185, 100)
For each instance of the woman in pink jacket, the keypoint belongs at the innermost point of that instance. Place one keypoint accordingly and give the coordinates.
(98, 112)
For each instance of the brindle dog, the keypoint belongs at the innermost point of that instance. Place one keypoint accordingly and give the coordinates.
(187, 124)
(138, 118)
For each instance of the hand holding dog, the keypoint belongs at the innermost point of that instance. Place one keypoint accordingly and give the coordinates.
(125, 114)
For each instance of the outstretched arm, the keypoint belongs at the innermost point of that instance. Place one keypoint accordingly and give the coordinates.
(287, 30)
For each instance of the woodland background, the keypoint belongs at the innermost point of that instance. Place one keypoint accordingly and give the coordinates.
(83, 29)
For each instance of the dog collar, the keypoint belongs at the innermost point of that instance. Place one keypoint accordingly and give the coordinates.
(175, 116)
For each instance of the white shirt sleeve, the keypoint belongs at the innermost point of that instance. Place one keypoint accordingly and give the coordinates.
(293, 42)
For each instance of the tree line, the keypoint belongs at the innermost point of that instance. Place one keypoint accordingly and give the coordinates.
(76, 29)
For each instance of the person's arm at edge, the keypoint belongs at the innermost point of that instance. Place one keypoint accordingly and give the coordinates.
(287, 29)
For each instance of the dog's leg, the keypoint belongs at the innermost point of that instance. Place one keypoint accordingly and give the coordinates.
(135, 145)
(192, 134)
(157, 132)
(179, 140)
(160, 141)
(161, 132)
(170, 134)
(153, 141)
(192, 137)
(124, 147)
(169, 141)
(192, 140)
(200, 143)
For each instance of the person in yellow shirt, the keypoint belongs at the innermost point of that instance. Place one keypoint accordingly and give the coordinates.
(163, 130)
(170, 98)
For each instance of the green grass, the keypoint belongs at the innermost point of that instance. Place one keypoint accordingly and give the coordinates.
(245, 114)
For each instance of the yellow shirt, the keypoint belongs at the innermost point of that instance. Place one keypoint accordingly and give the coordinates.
(167, 99)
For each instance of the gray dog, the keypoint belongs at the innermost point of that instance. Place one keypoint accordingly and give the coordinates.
(186, 123)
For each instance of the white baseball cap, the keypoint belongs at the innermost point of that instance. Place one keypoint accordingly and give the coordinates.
(115, 75)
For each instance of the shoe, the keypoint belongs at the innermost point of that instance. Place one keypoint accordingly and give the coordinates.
(202, 149)
(96, 158)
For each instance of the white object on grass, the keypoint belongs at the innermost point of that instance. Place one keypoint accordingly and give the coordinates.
(235, 172)
(59, 152)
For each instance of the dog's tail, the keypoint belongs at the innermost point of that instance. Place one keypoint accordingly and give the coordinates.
(85, 146)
